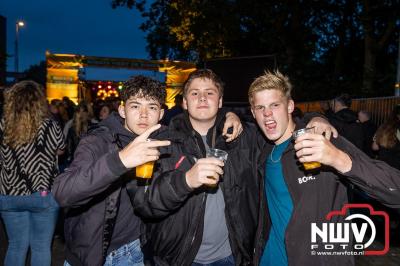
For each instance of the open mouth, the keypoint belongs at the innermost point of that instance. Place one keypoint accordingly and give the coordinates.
(270, 124)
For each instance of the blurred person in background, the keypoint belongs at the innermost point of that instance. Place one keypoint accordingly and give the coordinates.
(387, 140)
(30, 142)
(54, 109)
(69, 106)
(174, 111)
(369, 129)
(79, 126)
(345, 120)
(297, 115)
(105, 110)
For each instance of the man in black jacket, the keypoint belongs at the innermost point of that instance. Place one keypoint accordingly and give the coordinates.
(346, 121)
(189, 220)
(100, 226)
(292, 198)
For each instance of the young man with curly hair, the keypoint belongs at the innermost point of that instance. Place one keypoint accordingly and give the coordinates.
(100, 225)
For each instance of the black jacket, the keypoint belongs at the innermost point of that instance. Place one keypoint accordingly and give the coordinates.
(99, 216)
(326, 192)
(174, 213)
(345, 121)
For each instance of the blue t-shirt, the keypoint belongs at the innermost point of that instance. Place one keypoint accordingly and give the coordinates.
(280, 208)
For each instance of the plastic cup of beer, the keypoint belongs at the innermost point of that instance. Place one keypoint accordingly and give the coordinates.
(220, 155)
(145, 170)
(298, 133)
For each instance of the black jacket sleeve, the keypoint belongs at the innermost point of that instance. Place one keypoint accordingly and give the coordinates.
(376, 178)
(166, 193)
(94, 169)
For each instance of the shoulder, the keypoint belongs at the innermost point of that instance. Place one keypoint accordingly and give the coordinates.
(251, 134)
(51, 123)
(97, 135)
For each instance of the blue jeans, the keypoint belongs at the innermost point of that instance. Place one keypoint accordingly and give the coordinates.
(127, 255)
(29, 222)
(228, 261)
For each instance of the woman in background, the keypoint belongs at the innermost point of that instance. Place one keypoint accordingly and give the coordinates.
(30, 142)
(81, 122)
(387, 140)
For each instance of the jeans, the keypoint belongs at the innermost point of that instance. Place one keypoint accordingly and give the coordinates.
(228, 261)
(127, 255)
(29, 222)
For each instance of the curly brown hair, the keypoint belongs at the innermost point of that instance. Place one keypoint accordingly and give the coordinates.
(142, 86)
(25, 108)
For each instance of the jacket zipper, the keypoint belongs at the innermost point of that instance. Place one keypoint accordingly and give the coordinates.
(203, 202)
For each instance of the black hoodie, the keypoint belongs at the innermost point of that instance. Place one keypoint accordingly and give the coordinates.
(91, 190)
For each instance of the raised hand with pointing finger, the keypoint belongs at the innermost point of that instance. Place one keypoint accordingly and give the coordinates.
(141, 150)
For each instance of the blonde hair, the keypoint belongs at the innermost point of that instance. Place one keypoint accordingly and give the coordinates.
(271, 81)
(25, 108)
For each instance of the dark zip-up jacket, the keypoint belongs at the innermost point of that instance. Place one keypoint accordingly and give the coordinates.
(326, 191)
(99, 215)
(174, 213)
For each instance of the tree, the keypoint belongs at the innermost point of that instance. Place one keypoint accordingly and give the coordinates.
(379, 20)
(37, 73)
(326, 46)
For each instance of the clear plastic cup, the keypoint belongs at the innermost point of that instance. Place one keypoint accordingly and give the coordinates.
(220, 155)
(298, 133)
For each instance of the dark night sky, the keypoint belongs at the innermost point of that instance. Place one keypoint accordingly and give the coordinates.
(87, 27)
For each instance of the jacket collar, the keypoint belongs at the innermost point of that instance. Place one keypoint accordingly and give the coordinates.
(115, 123)
(181, 130)
(180, 126)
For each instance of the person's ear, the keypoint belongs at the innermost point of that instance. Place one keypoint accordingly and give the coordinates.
(290, 106)
(184, 103)
(220, 102)
(121, 111)
(161, 114)
(252, 112)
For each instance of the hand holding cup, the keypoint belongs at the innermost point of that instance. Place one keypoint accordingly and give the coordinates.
(207, 171)
(141, 151)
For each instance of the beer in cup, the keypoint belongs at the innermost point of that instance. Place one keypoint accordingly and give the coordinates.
(145, 170)
(219, 154)
(298, 133)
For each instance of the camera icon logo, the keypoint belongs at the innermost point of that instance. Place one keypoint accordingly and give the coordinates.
(336, 237)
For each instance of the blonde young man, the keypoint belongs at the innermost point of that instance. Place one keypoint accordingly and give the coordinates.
(291, 203)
